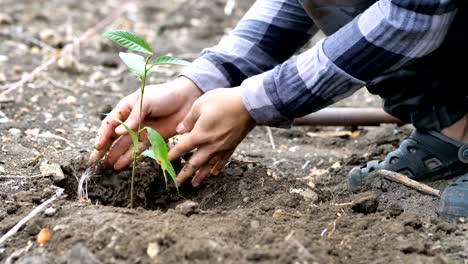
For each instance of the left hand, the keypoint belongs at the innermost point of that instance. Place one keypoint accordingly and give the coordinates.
(216, 124)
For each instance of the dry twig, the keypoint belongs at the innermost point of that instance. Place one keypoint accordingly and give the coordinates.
(33, 213)
(400, 178)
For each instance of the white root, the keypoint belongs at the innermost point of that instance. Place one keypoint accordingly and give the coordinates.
(33, 213)
(83, 184)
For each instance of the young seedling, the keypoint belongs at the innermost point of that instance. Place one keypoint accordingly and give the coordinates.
(142, 67)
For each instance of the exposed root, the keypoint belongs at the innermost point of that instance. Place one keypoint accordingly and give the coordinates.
(83, 184)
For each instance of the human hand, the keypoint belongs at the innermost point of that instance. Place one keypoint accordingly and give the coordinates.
(216, 124)
(164, 106)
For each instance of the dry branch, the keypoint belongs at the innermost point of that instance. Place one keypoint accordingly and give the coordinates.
(400, 178)
(33, 213)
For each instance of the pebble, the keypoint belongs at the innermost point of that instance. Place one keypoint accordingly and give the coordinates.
(51, 38)
(53, 170)
(365, 203)
(254, 224)
(152, 250)
(2, 170)
(336, 165)
(14, 131)
(11, 209)
(32, 132)
(71, 100)
(3, 78)
(307, 194)
(68, 63)
(50, 212)
(246, 200)
(5, 19)
(187, 208)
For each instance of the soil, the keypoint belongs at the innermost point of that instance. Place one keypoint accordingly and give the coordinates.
(284, 205)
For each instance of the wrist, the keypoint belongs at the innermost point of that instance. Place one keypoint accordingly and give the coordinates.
(187, 89)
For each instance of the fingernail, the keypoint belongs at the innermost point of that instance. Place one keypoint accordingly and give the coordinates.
(120, 130)
(180, 128)
(92, 157)
(195, 184)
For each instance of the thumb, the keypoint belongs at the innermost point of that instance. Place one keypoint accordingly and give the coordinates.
(131, 122)
(189, 121)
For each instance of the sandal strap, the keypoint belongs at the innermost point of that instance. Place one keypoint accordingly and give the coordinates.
(425, 155)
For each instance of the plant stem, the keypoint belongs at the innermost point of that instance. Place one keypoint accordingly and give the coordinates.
(135, 153)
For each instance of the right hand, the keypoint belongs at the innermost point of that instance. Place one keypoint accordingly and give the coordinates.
(164, 107)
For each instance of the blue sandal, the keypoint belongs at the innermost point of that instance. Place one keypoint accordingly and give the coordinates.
(424, 156)
(454, 200)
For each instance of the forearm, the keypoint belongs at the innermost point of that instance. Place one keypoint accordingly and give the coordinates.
(386, 37)
(269, 33)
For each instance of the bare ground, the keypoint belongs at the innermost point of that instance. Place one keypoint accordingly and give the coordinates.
(283, 205)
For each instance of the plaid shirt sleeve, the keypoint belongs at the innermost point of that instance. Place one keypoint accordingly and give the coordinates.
(388, 35)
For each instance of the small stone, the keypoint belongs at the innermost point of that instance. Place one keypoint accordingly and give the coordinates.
(246, 199)
(395, 210)
(279, 213)
(5, 19)
(2, 170)
(51, 38)
(14, 131)
(3, 118)
(409, 247)
(365, 203)
(97, 76)
(17, 69)
(71, 100)
(336, 165)
(187, 208)
(53, 170)
(3, 78)
(152, 250)
(49, 212)
(68, 63)
(12, 209)
(307, 194)
(32, 132)
(254, 224)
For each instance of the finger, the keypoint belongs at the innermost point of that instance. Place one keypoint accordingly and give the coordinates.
(106, 134)
(120, 147)
(189, 121)
(198, 159)
(127, 158)
(132, 120)
(186, 143)
(203, 172)
(221, 162)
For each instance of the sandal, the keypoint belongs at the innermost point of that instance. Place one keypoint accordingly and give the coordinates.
(454, 200)
(424, 156)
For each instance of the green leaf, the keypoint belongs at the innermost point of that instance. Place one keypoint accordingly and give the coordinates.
(160, 153)
(132, 134)
(135, 63)
(168, 60)
(129, 40)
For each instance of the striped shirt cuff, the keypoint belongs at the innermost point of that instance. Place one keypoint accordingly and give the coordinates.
(205, 75)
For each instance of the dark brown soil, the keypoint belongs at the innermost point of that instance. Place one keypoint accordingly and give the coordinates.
(284, 205)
